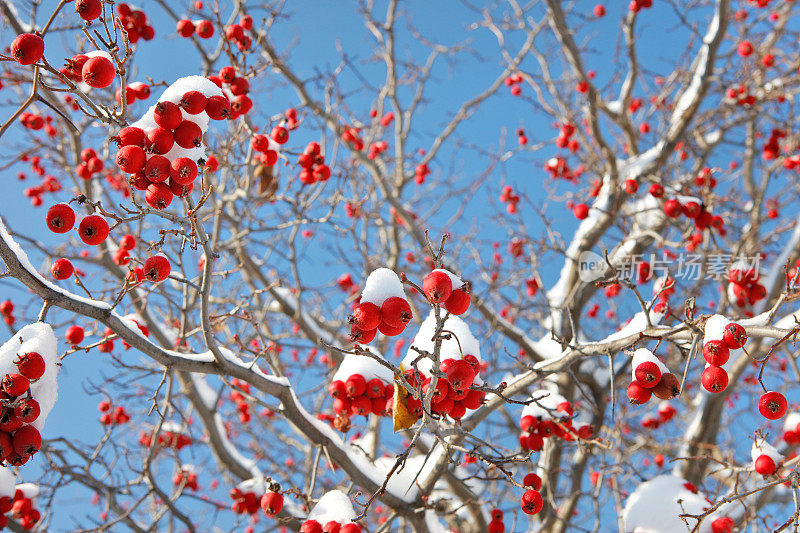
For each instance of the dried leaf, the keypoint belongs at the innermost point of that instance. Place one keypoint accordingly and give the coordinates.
(267, 183)
(400, 416)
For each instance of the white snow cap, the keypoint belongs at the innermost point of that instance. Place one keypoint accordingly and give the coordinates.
(38, 337)
(256, 486)
(173, 94)
(173, 427)
(455, 280)
(466, 344)
(382, 284)
(364, 365)
(333, 506)
(29, 490)
(642, 355)
(545, 405)
(791, 421)
(762, 447)
(653, 507)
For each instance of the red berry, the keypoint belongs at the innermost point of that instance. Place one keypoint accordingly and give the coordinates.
(27, 48)
(131, 159)
(723, 524)
(27, 441)
(366, 316)
(437, 286)
(638, 394)
(218, 108)
(188, 135)
(93, 230)
(355, 385)
(311, 526)
(673, 208)
(361, 336)
(714, 379)
(772, 405)
(157, 168)
(15, 384)
(160, 140)
(531, 502)
(183, 171)
(31, 365)
(734, 336)
(185, 28)
(98, 72)
(716, 353)
(89, 9)
(532, 480)
(158, 195)
(60, 218)
(460, 374)
(648, 374)
(27, 410)
(744, 48)
(74, 334)
(127, 242)
(390, 331)
(765, 465)
(581, 211)
(272, 503)
(205, 29)
(157, 268)
(458, 302)
(279, 134)
(396, 312)
(193, 102)
(167, 115)
(62, 269)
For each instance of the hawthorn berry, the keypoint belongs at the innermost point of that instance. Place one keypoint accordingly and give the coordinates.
(531, 502)
(458, 302)
(531, 480)
(765, 465)
(361, 336)
(205, 29)
(98, 72)
(89, 9)
(130, 136)
(772, 405)
(157, 268)
(188, 135)
(396, 312)
(311, 526)
(74, 335)
(279, 134)
(167, 115)
(366, 316)
(62, 269)
(714, 379)
(734, 336)
(160, 140)
(218, 108)
(723, 524)
(716, 353)
(158, 195)
(31, 365)
(648, 374)
(193, 102)
(668, 387)
(131, 158)
(15, 384)
(27, 48)
(27, 410)
(60, 218)
(93, 230)
(157, 168)
(27, 441)
(638, 394)
(185, 28)
(272, 503)
(437, 286)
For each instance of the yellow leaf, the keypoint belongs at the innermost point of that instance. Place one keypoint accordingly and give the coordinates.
(400, 416)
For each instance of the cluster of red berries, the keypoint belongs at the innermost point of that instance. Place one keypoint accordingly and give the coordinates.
(358, 396)
(352, 136)
(538, 427)
(18, 440)
(167, 438)
(716, 353)
(238, 398)
(95, 69)
(420, 173)
(27, 48)
(90, 164)
(744, 289)
(376, 149)
(235, 33)
(49, 183)
(439, 288)
(204, 28)
(651, 377)
(36, 122)
(313, 164)
(514, 83)
(21, 508)
(565, 140)
(666, 412)
(452, 396)
(638, 5)
(238, 87)
(771, 148)
(244, 502)
(134, 22)
(791, 429)
(312, 526)
(112, 418)
(133, 91)
(186, 476)
(7, 312)
(272, 500)
(511, 200)
(92, 230)
(557, 167)
(123, 254)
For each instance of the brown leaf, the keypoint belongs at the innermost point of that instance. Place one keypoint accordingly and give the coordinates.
(400, 416)
(267, 183)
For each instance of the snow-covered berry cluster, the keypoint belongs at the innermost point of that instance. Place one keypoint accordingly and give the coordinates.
(361, 386)
(119, 415)
(172, 435)
(186, 476)
(383, 307)
(443, 287)
(722, 339)
(650, 377)
(245, 496)
(93, 69)
(332, 514)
